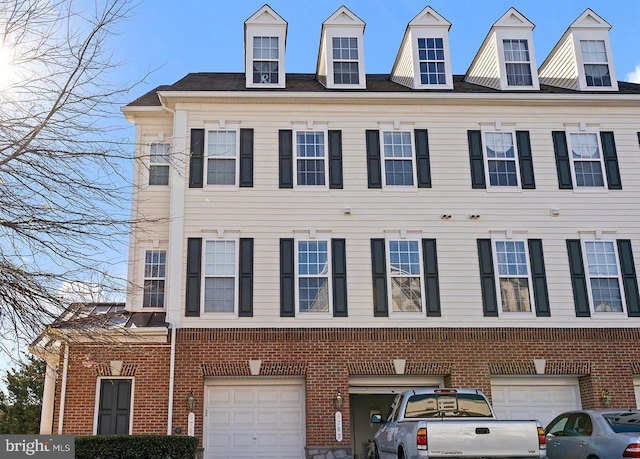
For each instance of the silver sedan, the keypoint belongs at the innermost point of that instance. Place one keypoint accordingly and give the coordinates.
(594, 434)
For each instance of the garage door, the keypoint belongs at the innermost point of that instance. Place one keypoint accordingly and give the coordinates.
(245, 420)
(534, 398)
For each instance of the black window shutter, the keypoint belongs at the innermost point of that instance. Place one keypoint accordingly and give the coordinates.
(629, 280)
(476, 159)
(246, 158)
(339, 271)
(610, 160)
(638, 138)
(432, 285)
(539, 278)
(525, 158)
(563, 163)
(285, 137)
(194, 279)
(245, 278)
(115, 406)
(287, 278)
(335, 160)
(196, 159)
(374, 166)
(422, 158)
(379, 273)
(487, 278)
(578, 278)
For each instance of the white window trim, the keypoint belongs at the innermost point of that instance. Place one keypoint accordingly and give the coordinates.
(598, 236)
(96, 406)
(579, 36)
(502, 129)
(311, 236)
(145, 249)
(255, 30)
(509, 236)
(236, 280)
(325, 133)
(398, 128)
(405, 238)
(167, 164)
(514, 34)
(433, 33)
(587, 189)
(222, 127)
(332, 33)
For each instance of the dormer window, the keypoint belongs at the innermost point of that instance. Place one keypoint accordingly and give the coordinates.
(517, 62)
(423, 60)
(265, 59)
(341, 57)
(596, 65)
(265, 35)
(345, 60)
(505, 59)
(431, 56)
(582, 59)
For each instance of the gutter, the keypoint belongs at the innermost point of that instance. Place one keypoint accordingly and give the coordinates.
(63, 393)
(172, 369)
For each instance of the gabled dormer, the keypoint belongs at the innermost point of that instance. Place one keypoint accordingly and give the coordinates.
(341, 54)
(582, 59)
(506, 59)
(424, 61)
(265, 36)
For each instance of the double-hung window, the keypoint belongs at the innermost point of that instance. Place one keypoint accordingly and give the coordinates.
(432, 61)
(405, 276)
(265, 60)
(220, 276)
(346, 68)
(398, 164)
(155, 264)
(159, 164)
(596, 64)
(603, 276)
(313, 268)
(311, 159)
(222, 157)
(517, 62)
(501, 159)
(586, 159)
(513, 276)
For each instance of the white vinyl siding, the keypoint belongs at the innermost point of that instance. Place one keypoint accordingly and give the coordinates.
(485, 71)
(560, 69)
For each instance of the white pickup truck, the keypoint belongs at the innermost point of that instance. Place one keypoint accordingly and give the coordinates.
(453, 423)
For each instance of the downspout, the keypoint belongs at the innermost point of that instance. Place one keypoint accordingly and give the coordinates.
(63, 391)
(172, 369)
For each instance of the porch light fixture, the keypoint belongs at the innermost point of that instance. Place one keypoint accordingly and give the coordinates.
(337, 401)
(191, 401)
(605, 398)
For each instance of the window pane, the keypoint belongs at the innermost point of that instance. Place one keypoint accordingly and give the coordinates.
(601, 258)
(265, 72)
(219, 294)
(155, 263)
(499, 145)
(159, 153)
(406, 294)
(597, 75)
(220, 258)
(310, 145)
(397, 144)
(346, 73)
(589, 173)
(516, 50)
(431, 56)
(519, 75)
(314, 294)
(585, 146)
(398, 172)
(404, 257)
(606, 295)
(515, 294)
(593, 51)
(158, 175)
(502, 173)
(153, 296)
(313, 257)
(222, 144)
(221, 172)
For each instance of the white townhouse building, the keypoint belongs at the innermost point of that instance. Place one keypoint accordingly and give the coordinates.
(324, 240)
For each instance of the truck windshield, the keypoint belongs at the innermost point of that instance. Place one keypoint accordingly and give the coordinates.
(447, 405)
(624, 421)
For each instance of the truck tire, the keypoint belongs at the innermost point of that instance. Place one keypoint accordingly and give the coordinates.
(401, 454)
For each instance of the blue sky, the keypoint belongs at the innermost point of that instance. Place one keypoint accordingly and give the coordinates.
(178, 37)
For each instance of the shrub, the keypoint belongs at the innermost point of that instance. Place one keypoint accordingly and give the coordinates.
(136, 447)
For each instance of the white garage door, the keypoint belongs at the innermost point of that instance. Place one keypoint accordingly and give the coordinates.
(539, 398)
(245, 420)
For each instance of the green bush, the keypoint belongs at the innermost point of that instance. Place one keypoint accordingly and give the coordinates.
(136, 447)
